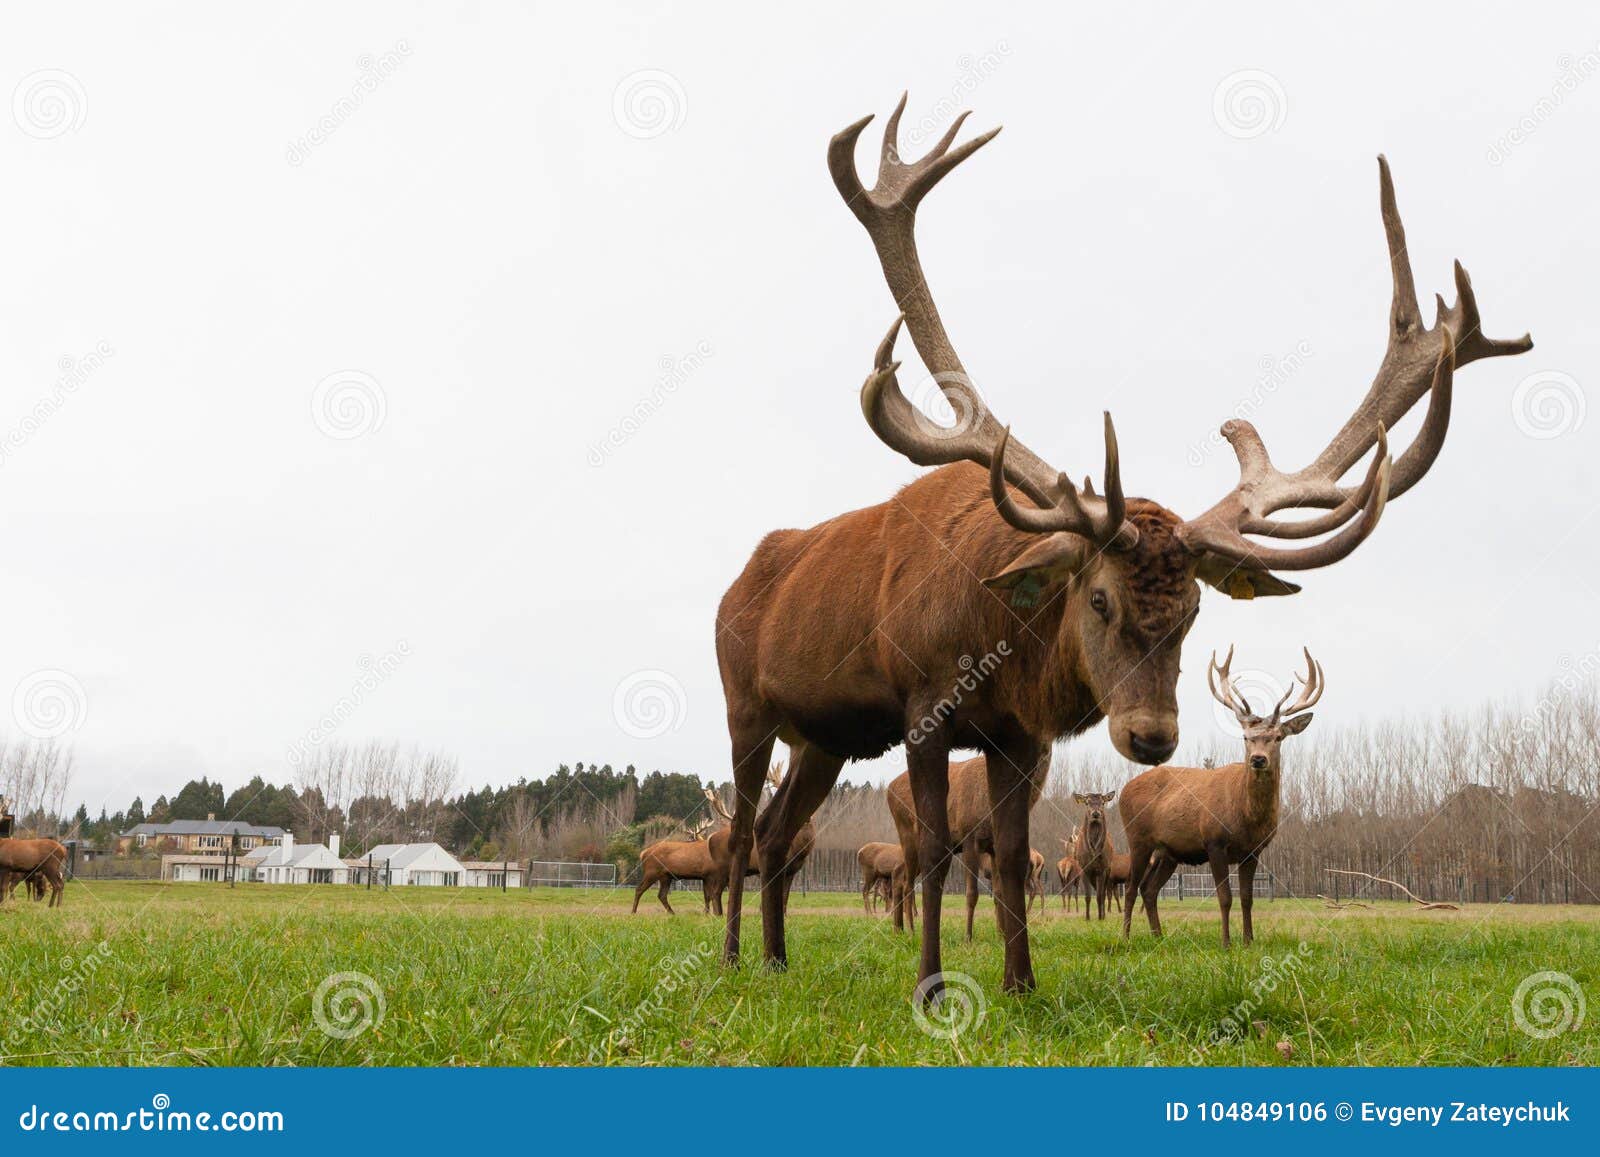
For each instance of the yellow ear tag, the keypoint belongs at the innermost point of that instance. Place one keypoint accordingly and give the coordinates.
(1240, 586)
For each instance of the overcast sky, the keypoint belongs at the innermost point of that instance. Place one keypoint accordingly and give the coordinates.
(324, 329)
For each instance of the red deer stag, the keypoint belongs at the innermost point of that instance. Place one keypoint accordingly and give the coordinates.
(860, 633)
(799, 848)
(667, 860)
(1093, 850)
(33, 860)
(1220, 816)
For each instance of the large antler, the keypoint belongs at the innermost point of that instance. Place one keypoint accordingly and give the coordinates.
(1312, 684)
(1418, 360)
(718, 808)
(1225, 693)
(888, 210)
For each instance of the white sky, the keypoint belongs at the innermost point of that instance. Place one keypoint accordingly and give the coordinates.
(512, 261)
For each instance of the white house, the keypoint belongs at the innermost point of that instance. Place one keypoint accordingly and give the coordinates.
(402, 865)
(291, 863)
(492, 873)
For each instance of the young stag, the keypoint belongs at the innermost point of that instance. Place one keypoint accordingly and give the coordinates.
(862, 632)
(1071, 875)
(1093, 850)
(667, 860)
(1220, 816)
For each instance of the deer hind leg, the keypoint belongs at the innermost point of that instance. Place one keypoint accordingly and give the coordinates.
(1219, 873)
(1138, 865)
(971, 858)
(812, 774)
(752, 748)
(1161, 869)
(661, 894)
(1247, 893)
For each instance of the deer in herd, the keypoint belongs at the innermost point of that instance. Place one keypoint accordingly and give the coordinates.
(1071, 875)
(1220, 816)
(799, 849)
(676, 859)
(883, 871)
(33, 861)
(1093, 850)
(860, 633)
(968, 821)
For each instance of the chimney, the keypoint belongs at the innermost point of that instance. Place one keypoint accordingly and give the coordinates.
(288, 843)
(333, 844)
(211, 817)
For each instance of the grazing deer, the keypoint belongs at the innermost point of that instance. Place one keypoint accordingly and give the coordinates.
(1220, 816)
(883, 870)
(799, 849)
(667, 860)
(1035, 879)
(860, 633)
(1071, 874)
(1092, 848)
(35, 860)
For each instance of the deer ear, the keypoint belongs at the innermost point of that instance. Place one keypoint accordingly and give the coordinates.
(1052, 559)
(1297, 723)
(1080, 797)
(1239, 582)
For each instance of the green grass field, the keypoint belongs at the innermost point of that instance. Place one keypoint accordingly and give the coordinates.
(162, 974)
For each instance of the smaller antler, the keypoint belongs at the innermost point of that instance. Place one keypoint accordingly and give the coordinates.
(1225, 693)
(1311, 691)
(718, 808)
(775, 776)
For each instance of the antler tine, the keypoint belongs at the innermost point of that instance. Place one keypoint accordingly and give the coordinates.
(1228, 695)
(1101, 521)
(1311, 691)
(888, 211)
(1417, 360)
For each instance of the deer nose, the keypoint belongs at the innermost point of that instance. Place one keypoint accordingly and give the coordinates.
(1148, 748)
(1258, 762)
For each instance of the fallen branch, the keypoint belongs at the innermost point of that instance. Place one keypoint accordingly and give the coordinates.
(1340, 905)
(1423, 905)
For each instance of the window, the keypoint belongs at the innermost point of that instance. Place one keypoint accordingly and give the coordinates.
(209, 841)
(211, 874)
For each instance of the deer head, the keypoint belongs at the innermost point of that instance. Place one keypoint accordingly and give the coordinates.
(1126, 570)
(1094, 819)
(1264, 734)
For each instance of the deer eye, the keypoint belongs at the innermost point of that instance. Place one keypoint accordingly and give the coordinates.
(1097, 600)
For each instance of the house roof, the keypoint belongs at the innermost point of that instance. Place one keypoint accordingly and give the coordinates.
(491, 865)
(299, 856)
(400, 857)
(205, 828)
